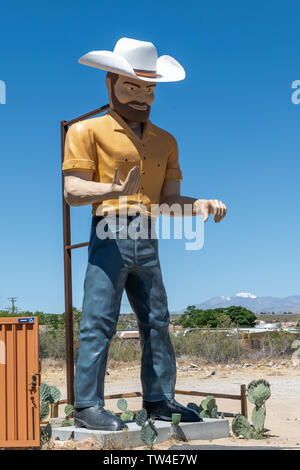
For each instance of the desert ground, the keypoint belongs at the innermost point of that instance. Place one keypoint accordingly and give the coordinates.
(283, 407)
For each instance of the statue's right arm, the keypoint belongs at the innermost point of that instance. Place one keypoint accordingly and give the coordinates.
(80, 189)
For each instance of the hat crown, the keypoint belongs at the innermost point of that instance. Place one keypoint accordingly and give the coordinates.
(141, 55)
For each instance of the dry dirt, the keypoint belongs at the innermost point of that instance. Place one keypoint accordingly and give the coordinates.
(283, 407)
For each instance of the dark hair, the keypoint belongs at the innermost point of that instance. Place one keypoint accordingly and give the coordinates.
(113, 77)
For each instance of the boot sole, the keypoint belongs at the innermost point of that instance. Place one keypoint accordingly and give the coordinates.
(82, 424)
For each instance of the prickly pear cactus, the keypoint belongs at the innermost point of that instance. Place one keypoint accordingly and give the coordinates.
(176, 417)
(149, 433)
(54, 394)
(46, 433)
(258, 418)
(48, 430)
(49, 393)
(208, 408)
(258, 392)
(208, 404)
(69, 410)
(241, 427)
(122, 404)
(127, 415)
(204, 414)
(44, 410)
(176, 431)
(44, 392)
(193, 406)
(141, 417)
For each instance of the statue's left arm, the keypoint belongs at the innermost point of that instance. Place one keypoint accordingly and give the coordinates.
(171, 194)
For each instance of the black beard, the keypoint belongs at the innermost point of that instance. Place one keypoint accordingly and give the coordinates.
(129, 113)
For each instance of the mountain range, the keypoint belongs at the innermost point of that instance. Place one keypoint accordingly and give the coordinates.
(252, 302)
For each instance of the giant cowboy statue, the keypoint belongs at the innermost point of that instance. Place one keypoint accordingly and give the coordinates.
(122, 163)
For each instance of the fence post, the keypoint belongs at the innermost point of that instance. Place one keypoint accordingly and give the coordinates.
(244, 409)
(53, 410)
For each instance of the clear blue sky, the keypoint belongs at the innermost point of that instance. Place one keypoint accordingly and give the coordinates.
(237, 130)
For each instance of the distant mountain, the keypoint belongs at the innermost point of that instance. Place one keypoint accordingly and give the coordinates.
(253, 302)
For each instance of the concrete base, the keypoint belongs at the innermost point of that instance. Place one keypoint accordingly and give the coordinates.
(208, 429)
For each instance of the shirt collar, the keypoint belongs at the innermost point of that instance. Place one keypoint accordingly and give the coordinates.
(119, 125)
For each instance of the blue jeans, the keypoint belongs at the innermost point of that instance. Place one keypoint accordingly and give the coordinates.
(115, 264)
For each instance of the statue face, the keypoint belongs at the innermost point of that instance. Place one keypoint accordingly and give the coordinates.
(131, 98)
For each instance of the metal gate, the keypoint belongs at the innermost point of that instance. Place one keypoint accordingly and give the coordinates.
(19, 382)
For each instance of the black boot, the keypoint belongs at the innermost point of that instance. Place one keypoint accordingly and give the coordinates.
(96, 417)
(163, 410)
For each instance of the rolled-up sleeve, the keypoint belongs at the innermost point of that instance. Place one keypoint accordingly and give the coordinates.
(173, 171)
(79, 149)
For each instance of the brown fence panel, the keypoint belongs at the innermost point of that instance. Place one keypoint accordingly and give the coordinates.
(19, 382)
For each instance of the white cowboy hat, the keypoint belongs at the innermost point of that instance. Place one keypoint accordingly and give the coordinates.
(138, 59)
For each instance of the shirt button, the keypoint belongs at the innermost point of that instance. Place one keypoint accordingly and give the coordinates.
(145, 158)
(126, 159)
(143, 172)
(158, 164)
(142, 187)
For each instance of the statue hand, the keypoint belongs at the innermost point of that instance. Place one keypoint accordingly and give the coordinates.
(129, 186)
(206, 207)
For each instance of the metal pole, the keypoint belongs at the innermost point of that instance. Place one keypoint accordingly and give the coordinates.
(238, 343)
(87, 115)
(67, 281)
(67, 247)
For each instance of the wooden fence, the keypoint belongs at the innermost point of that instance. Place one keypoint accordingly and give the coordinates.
(242, 397)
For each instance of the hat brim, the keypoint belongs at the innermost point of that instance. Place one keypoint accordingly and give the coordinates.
(167, 68)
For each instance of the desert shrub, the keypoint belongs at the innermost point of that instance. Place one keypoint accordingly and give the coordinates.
(205, 345)
(279, 342)
(52, 344)
(124, 350)
(210, 346)
(270, 344)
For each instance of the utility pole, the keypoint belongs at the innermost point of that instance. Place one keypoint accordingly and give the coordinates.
(12, 299)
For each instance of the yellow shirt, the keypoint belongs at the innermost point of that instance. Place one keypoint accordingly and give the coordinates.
(107, 142)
